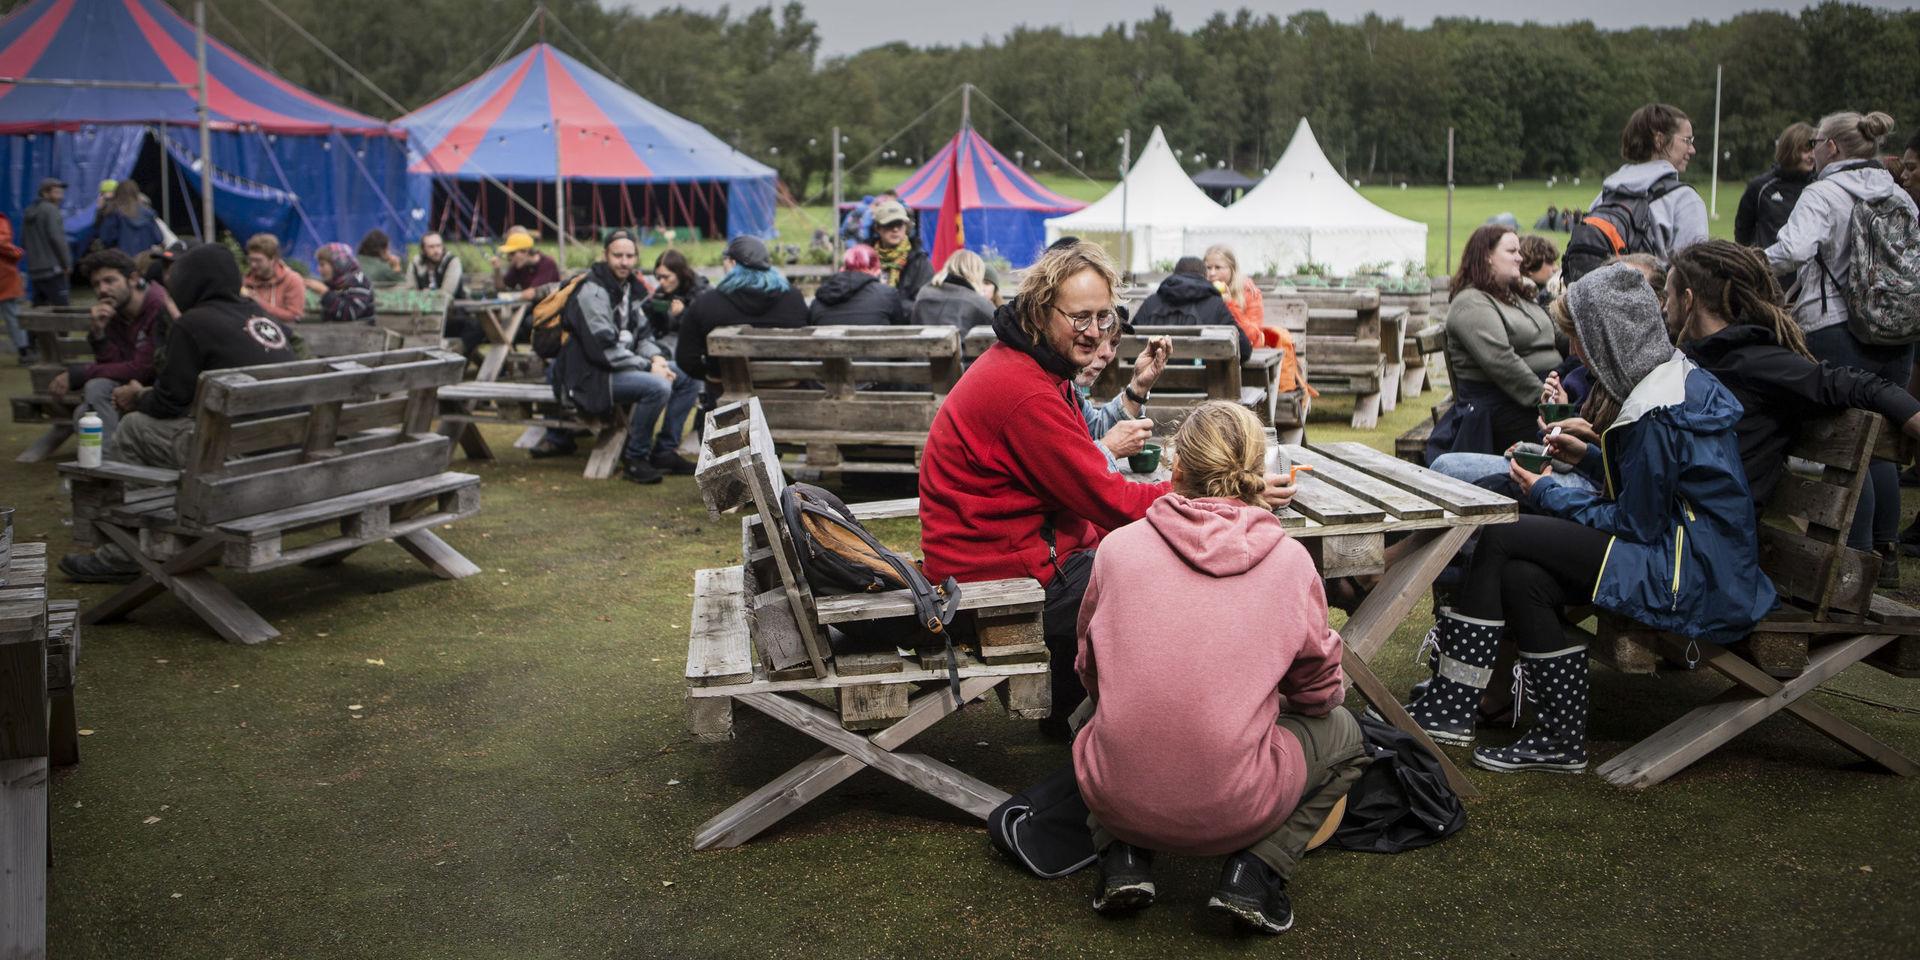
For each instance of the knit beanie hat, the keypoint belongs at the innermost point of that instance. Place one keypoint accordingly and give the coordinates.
(1621, 330)
(749, 252)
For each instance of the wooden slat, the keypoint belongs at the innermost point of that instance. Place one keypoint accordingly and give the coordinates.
(1822, 576)
(332, 508)
(844, 342)
(214, 499)
(1331, 505)
(1395, 500)
(989, 597)
(1458, 496)
(242, 391)
(719, 651)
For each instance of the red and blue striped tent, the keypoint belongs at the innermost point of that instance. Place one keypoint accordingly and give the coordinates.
(625, 160)
(285, 160)
(1003, 211)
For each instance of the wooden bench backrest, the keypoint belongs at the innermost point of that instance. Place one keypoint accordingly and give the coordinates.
(324, 340)
(917, 365)
(1205, 364)
(58, 334)
(1813, 568)
(418, 316)
(284, 434)
(739, 468)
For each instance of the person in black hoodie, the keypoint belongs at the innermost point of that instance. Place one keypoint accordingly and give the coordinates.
(1725, 310)
(610, 358)
(1770, 197)
(752, 294)
(1186, 299)
(856, 296)
(217, 329)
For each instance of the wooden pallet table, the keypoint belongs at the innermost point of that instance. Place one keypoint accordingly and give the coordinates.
(59, 339)
(26, 746)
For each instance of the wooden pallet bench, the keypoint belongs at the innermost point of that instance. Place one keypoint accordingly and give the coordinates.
(419, 317)
(532, 406)
(59, 339)
(1355, 346)
(1829, 619)
(321, 340)
(301, 462)
(842, 399)
(761, 637)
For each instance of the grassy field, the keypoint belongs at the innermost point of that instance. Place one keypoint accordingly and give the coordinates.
(1472, 206)
(498, 768)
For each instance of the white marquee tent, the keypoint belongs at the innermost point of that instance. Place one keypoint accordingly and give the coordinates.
(1304, 212)
(1161, 204)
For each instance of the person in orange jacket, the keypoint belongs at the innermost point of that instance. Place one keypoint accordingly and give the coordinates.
(12, 288)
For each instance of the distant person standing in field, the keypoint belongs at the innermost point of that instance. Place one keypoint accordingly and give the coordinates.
(1657, 144)
(1539, 261)
(44, 237)
(1770, 197)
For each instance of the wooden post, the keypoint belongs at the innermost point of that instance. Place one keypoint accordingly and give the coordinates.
(1126, 236)
(1713, 191)
(838, 240)
(206, 120)
(1445, 263)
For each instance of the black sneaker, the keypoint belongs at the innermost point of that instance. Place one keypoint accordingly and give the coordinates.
(672, 462)
(1889, 565)
(1253, 895)
(550, 447)
(1125, 879)
(88, 568)
(640, 471)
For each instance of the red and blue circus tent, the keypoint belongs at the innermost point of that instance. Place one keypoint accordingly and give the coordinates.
(285, 161)
(542, 123)
(1003, 211)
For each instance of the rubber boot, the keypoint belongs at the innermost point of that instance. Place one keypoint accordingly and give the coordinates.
(1449, 707)
(1557, 741)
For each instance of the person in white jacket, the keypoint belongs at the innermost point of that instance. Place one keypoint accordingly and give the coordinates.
(1657, 142)
(1814, 249)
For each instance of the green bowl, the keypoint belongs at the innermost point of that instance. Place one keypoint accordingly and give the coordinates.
(1147, 460)
(1534, 462)
(1556, 412)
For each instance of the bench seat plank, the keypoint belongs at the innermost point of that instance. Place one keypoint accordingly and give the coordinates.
(719, 651)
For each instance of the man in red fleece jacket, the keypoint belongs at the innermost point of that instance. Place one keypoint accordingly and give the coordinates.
(1011, 484)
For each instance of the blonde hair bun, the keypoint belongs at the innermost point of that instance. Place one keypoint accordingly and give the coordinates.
(1222, 452)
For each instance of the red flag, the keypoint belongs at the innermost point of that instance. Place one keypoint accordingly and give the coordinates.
(951, 236)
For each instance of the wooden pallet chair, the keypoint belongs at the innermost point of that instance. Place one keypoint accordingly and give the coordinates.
(1829, 618)
(761, 637)
(280, 450)
(1356, 347)
(532, 407)
(58, 336)
(1425, 355)
(418, 316)
(842, 399)
(321, 340)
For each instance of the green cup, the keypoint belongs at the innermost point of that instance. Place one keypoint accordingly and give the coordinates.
(1147, 460)
(1556, 412)
(1534, 462)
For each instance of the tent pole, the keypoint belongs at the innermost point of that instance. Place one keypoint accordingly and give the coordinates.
(206, 130)
(166, 195)
(966, 105)
(1713, 204)
(1449, 257)
(837, 197)
(1126, 236)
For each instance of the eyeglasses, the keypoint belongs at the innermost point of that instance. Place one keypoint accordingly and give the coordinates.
(1686, 140)
(1081, 321)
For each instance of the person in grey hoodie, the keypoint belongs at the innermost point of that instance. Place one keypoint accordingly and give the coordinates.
(43, 234)
(1658, 143)
(1814, 248)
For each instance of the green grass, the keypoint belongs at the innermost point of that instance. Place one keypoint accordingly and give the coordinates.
(520, 785)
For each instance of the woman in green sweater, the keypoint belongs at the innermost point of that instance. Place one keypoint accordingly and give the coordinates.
(1499, 350)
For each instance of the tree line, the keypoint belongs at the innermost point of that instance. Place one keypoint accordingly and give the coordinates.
(1525, 100)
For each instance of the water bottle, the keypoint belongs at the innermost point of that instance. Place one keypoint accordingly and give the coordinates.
(91, 432)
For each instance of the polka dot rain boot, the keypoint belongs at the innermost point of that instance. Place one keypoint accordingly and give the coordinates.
(1449, 706)
(1557, 684)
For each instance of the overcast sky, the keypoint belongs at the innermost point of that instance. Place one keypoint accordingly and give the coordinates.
(847, 26)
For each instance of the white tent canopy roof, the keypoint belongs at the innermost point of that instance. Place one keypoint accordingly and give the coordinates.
(1305, 211)
(1161, 203)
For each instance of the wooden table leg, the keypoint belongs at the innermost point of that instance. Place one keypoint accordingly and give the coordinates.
(500, 334)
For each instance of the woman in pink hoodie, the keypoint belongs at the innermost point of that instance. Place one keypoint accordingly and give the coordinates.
(1198, 619)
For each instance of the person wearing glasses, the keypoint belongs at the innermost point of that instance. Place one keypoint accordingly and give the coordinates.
(1010, 484)
(1657, 145)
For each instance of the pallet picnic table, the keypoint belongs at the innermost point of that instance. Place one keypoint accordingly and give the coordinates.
(500, 319)
(59, 338)
(1346, 505)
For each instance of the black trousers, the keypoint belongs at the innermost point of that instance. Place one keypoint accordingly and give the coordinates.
(1527, 572)
(1059, 621)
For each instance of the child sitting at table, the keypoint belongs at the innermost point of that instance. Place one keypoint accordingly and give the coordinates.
(1196, 620)
(1668, 540)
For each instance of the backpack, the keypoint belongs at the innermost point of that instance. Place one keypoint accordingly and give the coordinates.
(1622, 222)
(838, 556)
(1044, 827)
(550, 318)
(1882, 291)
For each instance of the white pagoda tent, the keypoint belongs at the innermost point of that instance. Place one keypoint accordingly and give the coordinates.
(1161, 203)
(1305, 212)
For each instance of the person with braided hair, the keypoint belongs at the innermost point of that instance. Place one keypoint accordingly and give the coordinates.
(1197, 620)
(1726, 312)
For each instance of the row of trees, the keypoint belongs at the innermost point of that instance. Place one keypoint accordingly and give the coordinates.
(1526, 101)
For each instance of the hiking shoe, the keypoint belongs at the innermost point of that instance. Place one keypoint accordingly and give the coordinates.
(1125, 879)
(672, 462)
(1889, 565)
(90, 568)
(1253, 895)
(640, 471)
(551, 447)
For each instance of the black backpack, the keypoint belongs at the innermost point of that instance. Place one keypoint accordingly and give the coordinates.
(1043, 828)
(839, 556)
(1622, 222)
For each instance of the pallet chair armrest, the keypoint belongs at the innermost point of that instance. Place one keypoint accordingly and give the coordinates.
(115, 471)
(886, 509)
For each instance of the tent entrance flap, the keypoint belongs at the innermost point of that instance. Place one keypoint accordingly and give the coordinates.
(241, 206)
(477, 210)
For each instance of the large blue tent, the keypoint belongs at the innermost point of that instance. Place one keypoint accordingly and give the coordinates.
(285, 161)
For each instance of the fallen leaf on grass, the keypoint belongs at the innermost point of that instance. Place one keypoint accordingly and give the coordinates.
(159, 660)
(151, 820)
(604, 619)
(376, 661)
(355, 716)
(321, 634)
(355, 706)
(1865, 869)
(666, 883)
(86, 733)
(673, 783)
(177, 896)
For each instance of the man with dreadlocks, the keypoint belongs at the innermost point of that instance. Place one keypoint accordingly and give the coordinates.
(1724, 310)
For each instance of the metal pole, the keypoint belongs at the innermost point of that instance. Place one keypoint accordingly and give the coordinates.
(206, 129)
(837, 196)
(166, 176)
(1446, 263)
(1126, 235)
(966, 105)
(1713, 192)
